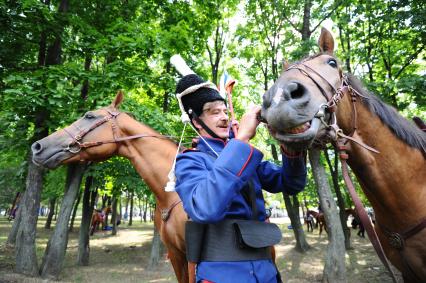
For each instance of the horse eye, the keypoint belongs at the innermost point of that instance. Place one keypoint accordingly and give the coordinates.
(332, 63)
(89, 115)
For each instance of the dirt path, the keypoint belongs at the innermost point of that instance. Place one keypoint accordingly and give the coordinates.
(124, 258)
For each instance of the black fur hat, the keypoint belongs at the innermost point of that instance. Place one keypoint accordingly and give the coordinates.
(198, 98)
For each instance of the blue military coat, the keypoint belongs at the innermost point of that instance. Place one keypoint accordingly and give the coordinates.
(210, 189)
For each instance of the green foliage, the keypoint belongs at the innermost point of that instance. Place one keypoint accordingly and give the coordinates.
(54, 184)
(12, 177)
(112, 45)
(385, 44)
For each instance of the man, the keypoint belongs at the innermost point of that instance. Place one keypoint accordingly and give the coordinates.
(220, 184)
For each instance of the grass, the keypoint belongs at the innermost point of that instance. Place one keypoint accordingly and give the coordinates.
(124, 257)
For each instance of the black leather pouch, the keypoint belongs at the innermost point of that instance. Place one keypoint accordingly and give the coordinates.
(256, 234)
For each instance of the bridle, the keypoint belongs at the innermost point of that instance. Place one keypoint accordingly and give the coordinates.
(335, 132)
(76, 144)
(340, 139)
(396, 240)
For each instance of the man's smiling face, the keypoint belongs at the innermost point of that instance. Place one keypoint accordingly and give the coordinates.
(215, 116)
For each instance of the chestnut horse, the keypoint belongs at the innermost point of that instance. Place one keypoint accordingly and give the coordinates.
(106, 132)
(320, 219)
(98, 217)
(313, 102)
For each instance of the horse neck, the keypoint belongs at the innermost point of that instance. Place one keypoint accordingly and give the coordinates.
(391, 179)
(152, 157)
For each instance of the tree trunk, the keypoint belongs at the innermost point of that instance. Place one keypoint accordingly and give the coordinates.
(86, 218)
(120, 209)
(154, 259)
(26, 257)
(108, 204)
(151, 216)
(340, 200)
(52, 203)
(141, 203)
(85, 87)
(334, 269)
(114, 216)
(274, 152)
(14, 203)
(145, 211)
(55, 211)
(293, 213)
(126, 210)
(306, 31)
(55, 251)
(74, 212)
(11, 239)
(131, 209)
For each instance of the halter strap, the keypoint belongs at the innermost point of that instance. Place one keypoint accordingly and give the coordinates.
(341, 140)
(371, 232)
(332, 102)
(76, 145)
(166, 212)
(303, 71)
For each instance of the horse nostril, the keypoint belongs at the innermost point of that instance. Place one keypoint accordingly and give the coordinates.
(36, 148)
(296, 90)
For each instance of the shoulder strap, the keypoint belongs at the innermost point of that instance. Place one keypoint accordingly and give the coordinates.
(252, 198)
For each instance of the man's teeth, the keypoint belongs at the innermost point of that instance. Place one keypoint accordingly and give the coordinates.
(298, 129)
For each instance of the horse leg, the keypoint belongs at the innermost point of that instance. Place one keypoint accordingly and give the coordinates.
(92, 228)
(273, 255)
(180, 265)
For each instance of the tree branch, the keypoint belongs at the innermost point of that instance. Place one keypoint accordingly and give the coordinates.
(409, 61)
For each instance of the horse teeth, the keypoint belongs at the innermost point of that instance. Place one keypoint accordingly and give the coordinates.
(299, 129)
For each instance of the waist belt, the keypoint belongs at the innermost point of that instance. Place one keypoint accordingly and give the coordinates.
(230, 240)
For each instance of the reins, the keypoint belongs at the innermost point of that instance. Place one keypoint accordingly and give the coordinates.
(340, 140)
(75, 146)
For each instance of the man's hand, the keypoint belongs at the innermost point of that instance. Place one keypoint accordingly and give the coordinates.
(248, 124)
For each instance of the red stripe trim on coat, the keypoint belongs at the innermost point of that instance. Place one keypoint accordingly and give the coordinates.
(247, 161)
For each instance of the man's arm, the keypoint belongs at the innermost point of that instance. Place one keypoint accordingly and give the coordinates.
(290, 178)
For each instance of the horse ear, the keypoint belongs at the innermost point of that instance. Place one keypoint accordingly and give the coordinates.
(285, 65)
(326, 41)
(118, 99)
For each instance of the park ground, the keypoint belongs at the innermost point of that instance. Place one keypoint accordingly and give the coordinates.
(124, 257)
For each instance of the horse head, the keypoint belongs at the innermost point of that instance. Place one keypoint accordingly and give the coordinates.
(89, 138)
(298, 103)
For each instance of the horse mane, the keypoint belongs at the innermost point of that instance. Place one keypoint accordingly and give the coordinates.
(401, 127)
